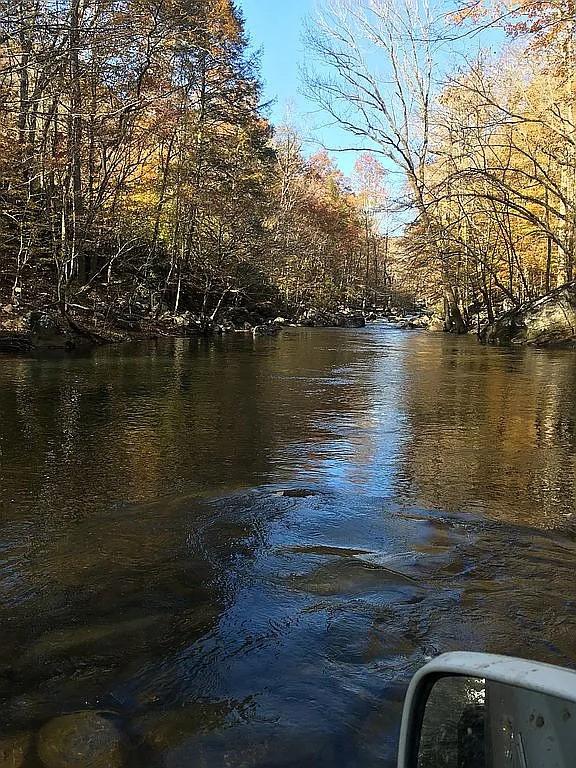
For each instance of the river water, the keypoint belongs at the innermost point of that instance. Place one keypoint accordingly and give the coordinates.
(239, 550)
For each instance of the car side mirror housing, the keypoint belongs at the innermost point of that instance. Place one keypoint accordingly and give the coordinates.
(476, 710)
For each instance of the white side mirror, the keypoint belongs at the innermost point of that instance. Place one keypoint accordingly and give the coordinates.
(475, 710)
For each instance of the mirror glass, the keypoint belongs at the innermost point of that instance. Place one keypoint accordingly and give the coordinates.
(470, 722)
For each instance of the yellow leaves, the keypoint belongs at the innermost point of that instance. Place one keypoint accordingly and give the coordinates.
(498, 193)
(224, 15)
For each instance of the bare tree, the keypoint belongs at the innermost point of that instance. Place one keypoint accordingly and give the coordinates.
(376, 63)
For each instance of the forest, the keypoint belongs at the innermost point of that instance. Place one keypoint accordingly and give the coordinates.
(483, 137)
(140, 174)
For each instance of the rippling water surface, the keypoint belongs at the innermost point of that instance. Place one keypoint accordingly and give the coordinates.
(238, 551)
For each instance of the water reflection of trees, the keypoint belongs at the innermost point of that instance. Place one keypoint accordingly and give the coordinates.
(490, 431)
(187, 417)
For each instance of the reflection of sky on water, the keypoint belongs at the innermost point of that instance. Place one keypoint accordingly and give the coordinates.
(360, 445)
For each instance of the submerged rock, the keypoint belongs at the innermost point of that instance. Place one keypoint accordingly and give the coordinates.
(549, 321)
(23, 708)
(323, 549)
(167, 729)
(81, 740)
(62, 642)
(14, 750)
(286, 743)
(350, 577)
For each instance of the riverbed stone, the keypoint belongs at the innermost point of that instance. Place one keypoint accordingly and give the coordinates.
(62, 642)
(14, 749)
(298, 493)
(253, 747)
(350, 577)
(81, 740)
(167, 729)
(26, 707)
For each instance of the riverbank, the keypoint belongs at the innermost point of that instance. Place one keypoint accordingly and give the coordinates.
(28, 330)
(25, 330)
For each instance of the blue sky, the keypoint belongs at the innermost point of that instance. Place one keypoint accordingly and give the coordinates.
(276, 26)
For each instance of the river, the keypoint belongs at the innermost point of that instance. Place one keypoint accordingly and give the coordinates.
(239, 550)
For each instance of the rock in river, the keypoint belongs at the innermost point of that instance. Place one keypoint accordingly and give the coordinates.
(346, 318)
(14, 750)
(167, 729)
(350, 577)
(550, 320)
(298, 493)
(436, 324)
(269, 329)
(81, 740)
(76, 639)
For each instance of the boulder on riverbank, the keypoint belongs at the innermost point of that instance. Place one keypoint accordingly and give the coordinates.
(548, 321)
(41, 330)
(266, 329)
(436, 324)
(408, 321)
(346, 318)
(24, 330)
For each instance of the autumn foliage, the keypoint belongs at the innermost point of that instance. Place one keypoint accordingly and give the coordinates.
(139, 172)
(482, 142)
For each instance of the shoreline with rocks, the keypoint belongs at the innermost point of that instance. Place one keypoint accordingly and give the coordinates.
(24, 331)
(549, 321)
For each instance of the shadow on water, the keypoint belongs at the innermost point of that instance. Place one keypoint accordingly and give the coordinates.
(156, 571)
